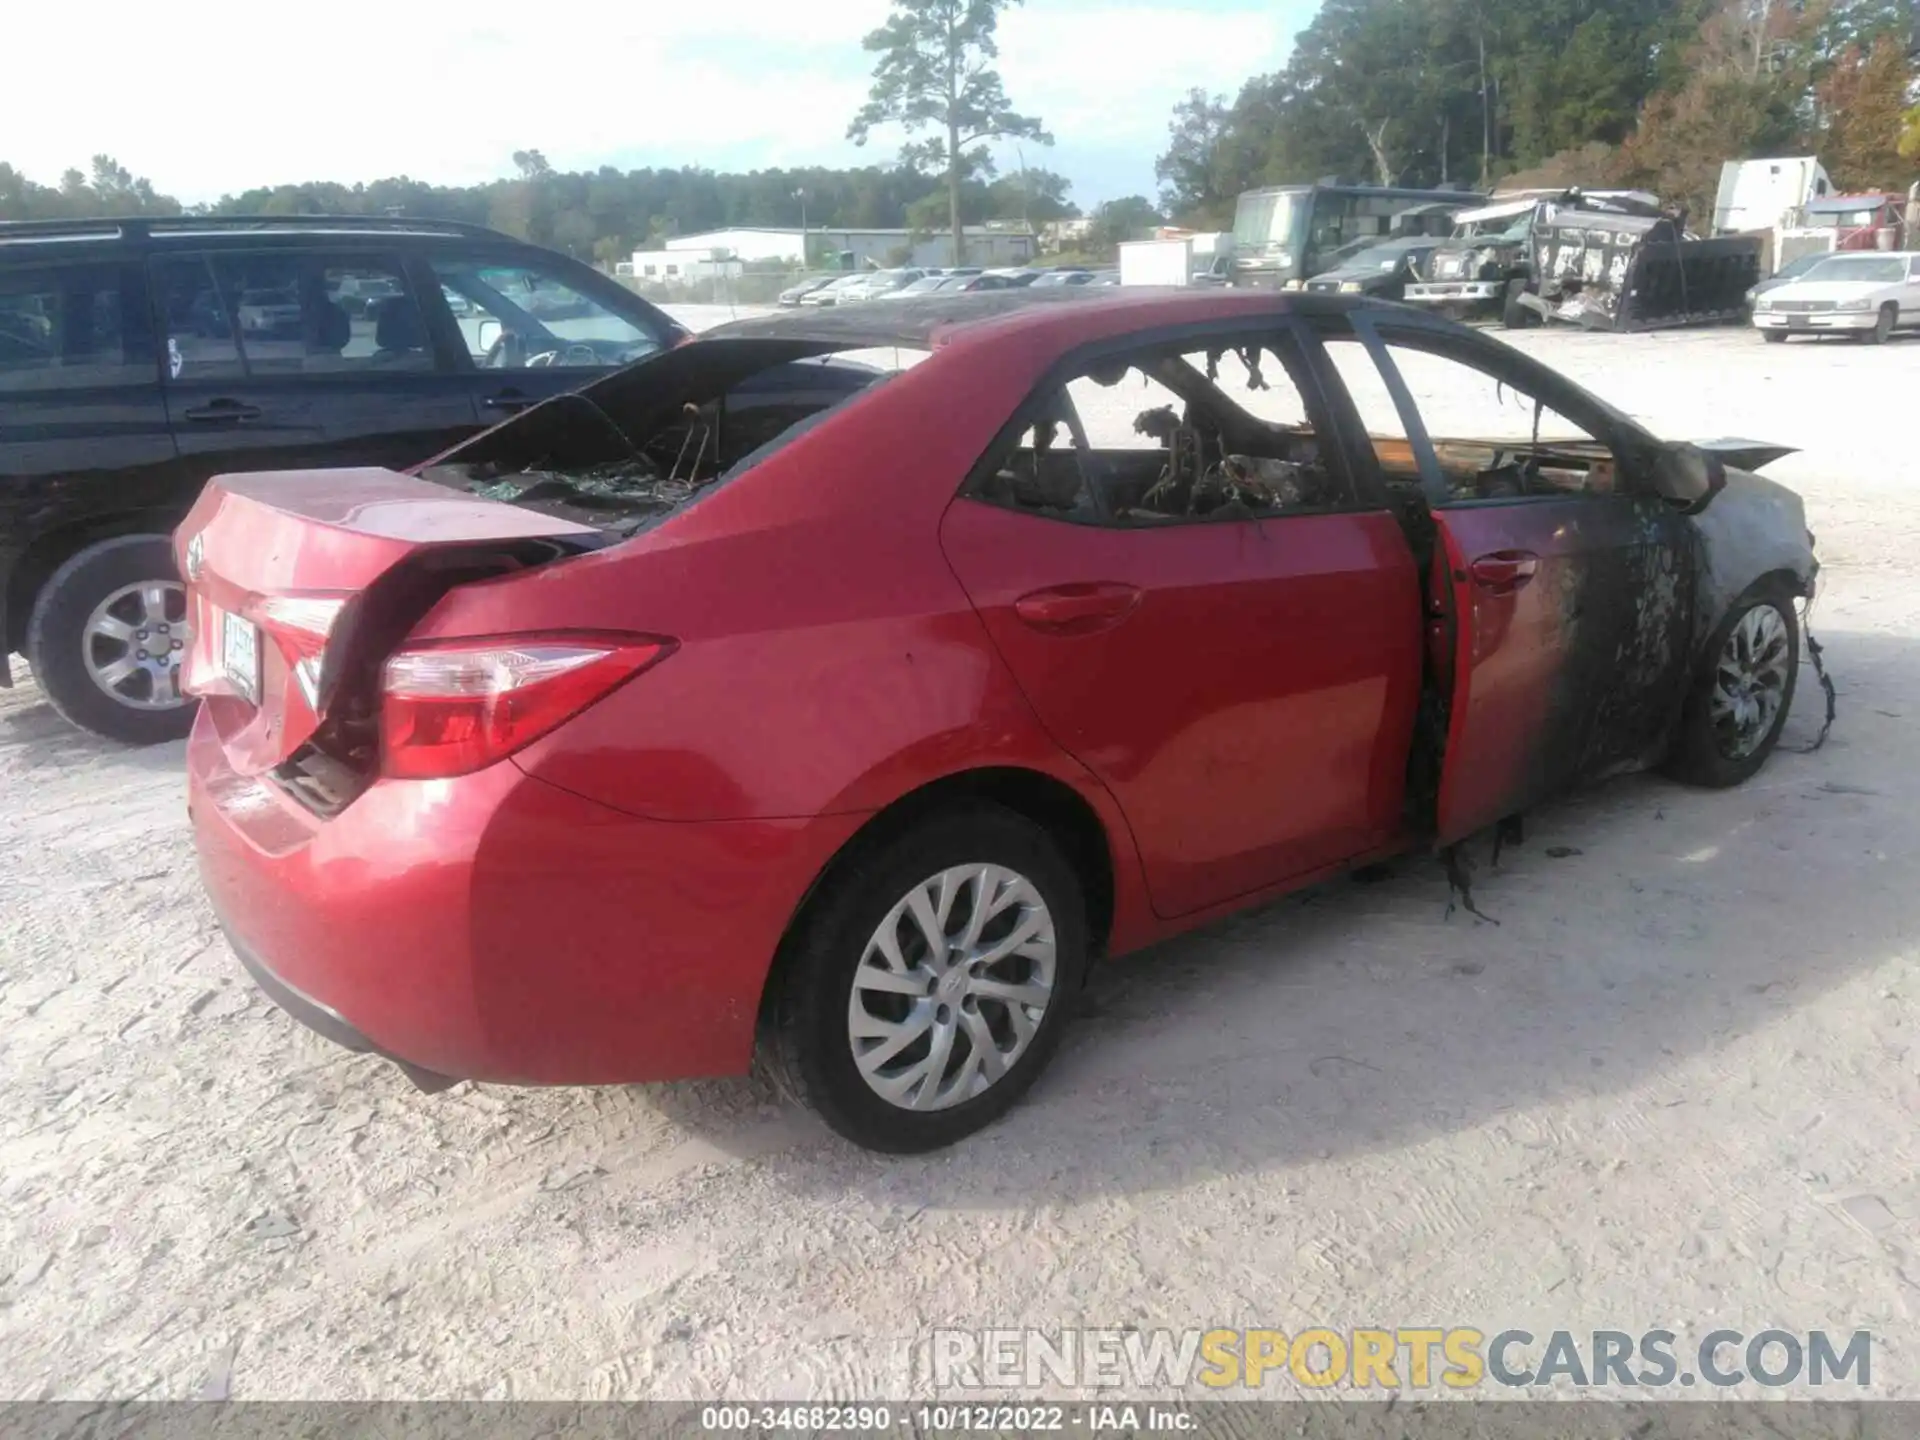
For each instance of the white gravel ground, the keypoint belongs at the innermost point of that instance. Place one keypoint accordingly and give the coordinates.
(1676, 1085)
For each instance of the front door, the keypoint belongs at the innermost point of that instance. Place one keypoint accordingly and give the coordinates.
(1563, 588)
(529, 329)
(1242, 675)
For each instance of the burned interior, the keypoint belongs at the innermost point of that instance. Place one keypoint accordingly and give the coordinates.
(631, 450)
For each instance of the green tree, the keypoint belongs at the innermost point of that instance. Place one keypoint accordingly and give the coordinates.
(1129, 218)
(934, 71)
(1190, 170)
(1863, 104)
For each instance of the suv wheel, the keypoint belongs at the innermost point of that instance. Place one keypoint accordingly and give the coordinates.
(107, 639)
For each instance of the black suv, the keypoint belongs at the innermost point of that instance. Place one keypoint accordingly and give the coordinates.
(140, 357)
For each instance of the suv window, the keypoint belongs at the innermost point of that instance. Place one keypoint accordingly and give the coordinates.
(62, 328)
(514, 316)
(286, 313)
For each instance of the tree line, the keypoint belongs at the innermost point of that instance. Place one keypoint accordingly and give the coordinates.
(600, 215)
(1651, 94)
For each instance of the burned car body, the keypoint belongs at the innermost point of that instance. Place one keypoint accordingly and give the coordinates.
(859, 746)
(1638, 272)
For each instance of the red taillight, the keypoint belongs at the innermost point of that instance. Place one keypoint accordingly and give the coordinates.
(456, 708)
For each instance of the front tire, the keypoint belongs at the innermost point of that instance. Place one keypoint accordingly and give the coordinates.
(930, 984)
(1774, 337)
(107, 637)
(1739, 701)
(1514, 315)
(1883, 324)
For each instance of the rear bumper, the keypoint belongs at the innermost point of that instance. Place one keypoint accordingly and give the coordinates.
(327, 1024)
(497, 928)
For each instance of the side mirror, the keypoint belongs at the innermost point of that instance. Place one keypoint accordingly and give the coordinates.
(1688, 476)
(485, 334)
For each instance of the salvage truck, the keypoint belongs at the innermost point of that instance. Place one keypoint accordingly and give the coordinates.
(649, 728)
(1487, 265)
(1625, 272)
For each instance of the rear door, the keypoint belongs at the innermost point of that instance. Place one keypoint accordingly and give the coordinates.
(526, 327)
(282, 358)
(1564, 587)
(1241, 675)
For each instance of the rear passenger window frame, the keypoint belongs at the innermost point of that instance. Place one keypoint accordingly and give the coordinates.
(392, 259)
(1283, 340)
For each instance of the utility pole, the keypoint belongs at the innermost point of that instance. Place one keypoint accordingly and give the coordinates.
(805, 258)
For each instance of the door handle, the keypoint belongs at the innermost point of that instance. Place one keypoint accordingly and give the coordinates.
(1504, 571)
(216, 410)
(1077, 609)
(509, 401)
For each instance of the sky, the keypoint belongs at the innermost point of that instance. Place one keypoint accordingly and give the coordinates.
(216, 96)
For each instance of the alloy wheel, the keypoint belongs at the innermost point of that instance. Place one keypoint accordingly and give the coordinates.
(134, 643)
(1750, 682)
(952, 987)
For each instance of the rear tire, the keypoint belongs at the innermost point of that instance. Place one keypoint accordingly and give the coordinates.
(68, 645)
(1713, 747)
(840, 980)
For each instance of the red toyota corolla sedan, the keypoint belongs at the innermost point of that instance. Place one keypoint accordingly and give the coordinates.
(761, 691)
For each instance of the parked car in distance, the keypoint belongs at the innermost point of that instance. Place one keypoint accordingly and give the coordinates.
(793, 294)
(163, 351)
(1867, 295)
(834, 291)
(1047, 279)
(1017, 277)
(661, 679)
(1382, 270)
(1791, 271)
(875, 283)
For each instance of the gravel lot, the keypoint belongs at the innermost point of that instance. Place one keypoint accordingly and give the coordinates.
(1676, 1085)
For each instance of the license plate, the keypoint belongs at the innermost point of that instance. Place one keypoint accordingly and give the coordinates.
(1798, 322)
(240, 654)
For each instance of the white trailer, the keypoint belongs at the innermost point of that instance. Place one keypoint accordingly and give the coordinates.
(1758, 195)
(1156, 262)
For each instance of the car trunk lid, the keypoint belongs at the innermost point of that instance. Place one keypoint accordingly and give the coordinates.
(299, 583)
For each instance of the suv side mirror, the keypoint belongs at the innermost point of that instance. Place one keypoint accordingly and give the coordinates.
(485, 334)
(1688, 476)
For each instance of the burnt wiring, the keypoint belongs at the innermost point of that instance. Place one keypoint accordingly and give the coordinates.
(1816, 653)
(1460, 884)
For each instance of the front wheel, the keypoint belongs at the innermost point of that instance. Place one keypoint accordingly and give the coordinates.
(930, 985)
(1774, 337)
(1883, 324)
(107, 638)
(1514, 315)
(1739, 702)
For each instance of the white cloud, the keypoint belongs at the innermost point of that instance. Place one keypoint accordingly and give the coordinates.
(222, 95)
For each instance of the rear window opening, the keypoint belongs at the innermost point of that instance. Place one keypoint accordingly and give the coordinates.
(629, 452)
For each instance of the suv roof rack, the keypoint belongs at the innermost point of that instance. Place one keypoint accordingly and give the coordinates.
(143, 227)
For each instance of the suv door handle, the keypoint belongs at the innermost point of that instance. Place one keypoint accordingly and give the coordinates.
(1504, 571)
(1077, 609)
(215, 410)
(507, 400)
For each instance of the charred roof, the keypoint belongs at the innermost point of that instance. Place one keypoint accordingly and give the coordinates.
(916, 320)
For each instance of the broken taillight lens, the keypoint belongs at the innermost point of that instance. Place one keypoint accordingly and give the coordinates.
(455, 708)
